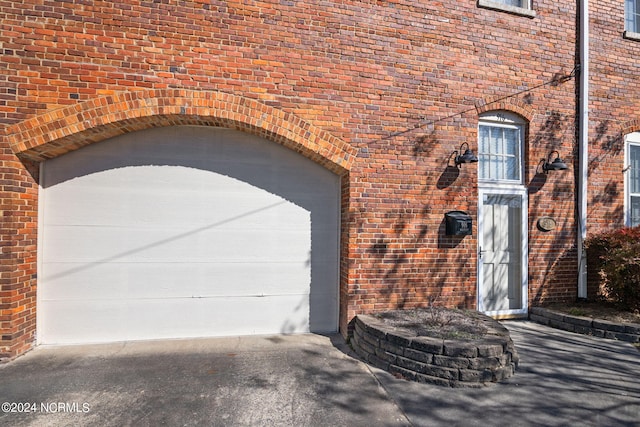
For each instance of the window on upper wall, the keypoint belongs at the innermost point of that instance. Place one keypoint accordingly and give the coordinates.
(632, 16)
(500, 148)
(516, 3)
(632, 183)
(518, 7)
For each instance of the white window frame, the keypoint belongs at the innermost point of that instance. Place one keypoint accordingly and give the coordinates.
(524, 10)
(631, 24)
(507, 120)
(632, 139)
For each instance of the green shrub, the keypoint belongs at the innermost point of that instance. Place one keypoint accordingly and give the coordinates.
(616, 255)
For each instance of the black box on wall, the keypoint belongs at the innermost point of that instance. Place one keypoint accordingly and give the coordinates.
(458, 223)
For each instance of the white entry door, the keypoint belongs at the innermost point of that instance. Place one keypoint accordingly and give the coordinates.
(502, 241)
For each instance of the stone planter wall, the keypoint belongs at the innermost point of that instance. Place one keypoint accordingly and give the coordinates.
(629, 332)
(454, 363)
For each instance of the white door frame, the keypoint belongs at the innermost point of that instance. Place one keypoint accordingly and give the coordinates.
(512, 191)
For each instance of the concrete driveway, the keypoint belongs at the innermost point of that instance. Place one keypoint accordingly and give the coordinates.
(312, 380)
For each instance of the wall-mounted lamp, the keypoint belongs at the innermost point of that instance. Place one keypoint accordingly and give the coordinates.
(556, 165)
(467, 157)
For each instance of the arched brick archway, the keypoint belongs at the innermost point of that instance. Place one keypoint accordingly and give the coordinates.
(629, 126)
(512, 104)
(60, 131)
(57, 132)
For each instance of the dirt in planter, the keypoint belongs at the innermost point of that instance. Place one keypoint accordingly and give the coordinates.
(437, 322)
(602, 310)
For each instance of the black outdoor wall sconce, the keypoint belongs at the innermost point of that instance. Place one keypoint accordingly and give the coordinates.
(467, 157)
(556, 165)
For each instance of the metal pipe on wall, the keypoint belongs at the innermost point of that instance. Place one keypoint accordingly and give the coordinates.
(583, 146)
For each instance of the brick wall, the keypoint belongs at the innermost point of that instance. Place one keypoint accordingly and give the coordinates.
(396, 86)
(18, 207)
(613, 113)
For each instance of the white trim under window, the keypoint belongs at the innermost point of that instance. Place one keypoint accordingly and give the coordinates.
(518, 7)
(500, 148)
(632, 180)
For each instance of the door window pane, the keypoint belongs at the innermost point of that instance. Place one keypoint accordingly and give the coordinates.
(485, 132)
(635, 211)
(634, 168)
(511, 135)
(496, 141)
(499, 153)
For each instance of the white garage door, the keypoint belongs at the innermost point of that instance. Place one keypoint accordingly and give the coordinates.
(186, 232)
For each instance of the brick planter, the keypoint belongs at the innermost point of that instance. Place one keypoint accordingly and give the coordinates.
(454, 363)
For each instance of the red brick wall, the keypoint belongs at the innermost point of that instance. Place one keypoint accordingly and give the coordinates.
(400, 84)
(613, 113)
(18, 209)
(613, 105)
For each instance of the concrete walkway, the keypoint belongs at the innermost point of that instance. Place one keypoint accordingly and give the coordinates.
(564, 379)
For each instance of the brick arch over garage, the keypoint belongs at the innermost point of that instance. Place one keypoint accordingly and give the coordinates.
(54, 133)
(57, 132)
